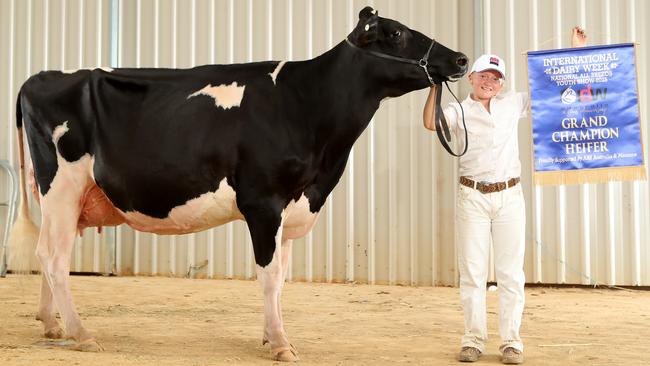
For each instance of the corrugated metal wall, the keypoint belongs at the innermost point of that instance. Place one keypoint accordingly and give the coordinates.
(390, 219)
(41, 35)
(594, 232)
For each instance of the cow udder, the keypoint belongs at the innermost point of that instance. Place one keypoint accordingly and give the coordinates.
(97, 210)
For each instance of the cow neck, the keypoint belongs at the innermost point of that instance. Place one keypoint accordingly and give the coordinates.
(343, 91)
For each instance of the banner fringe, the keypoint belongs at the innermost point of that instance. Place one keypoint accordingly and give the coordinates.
(601, 175)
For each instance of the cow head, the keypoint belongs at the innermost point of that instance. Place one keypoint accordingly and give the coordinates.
(406, 53)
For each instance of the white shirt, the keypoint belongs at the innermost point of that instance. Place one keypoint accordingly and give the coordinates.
(493, 152)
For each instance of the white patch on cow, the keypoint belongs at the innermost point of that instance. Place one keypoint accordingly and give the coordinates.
(69, 71)
(60, 208)
(367, 27)
(225, 96)
(274, 74)
(206, 211)
(271, 277)
(79, 172)
(75, 175)
(299, 218)
(59, 131)
(65, 192)
(105, 68)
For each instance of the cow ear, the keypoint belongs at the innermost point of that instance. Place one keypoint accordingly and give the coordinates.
(366, 13)
(366, 30)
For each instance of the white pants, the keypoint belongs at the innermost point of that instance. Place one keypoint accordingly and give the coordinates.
(499, 218)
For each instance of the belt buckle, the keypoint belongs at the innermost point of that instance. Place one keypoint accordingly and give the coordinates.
(483, 187)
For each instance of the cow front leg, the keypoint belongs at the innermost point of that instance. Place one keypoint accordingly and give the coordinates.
(286, 252)
(265, 225)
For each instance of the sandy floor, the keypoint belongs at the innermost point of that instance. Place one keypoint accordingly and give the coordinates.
(162, 321)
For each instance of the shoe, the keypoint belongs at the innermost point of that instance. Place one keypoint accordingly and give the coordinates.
(512, 356)
(469, 354)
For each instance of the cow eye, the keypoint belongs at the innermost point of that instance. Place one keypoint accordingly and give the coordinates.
(396, 34)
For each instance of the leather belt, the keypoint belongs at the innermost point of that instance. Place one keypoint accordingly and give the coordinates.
(484, 187)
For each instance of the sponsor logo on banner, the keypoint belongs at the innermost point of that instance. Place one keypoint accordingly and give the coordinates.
(588, 94)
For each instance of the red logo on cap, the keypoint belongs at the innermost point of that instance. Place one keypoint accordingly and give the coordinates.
(494, 61)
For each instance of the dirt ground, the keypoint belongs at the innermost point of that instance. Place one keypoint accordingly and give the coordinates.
(163, 321)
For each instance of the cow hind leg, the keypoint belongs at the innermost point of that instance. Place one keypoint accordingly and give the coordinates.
(47, 312)
(46, 308)
(60, 208)
(265, 225)
(54, 251)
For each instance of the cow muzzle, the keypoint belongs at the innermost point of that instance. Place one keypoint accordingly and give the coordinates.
(462, 63)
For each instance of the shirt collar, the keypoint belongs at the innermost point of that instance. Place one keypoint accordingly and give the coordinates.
(473, 103)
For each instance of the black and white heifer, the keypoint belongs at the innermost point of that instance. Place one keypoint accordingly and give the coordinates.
(180, 151)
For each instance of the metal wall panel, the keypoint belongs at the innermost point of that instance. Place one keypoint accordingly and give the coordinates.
(391, 218)
(591, 233)
(41, 35)
(347, 244)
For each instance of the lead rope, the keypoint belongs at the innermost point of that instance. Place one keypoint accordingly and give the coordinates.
(442, 127)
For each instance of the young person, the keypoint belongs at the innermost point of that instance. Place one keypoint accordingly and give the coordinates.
(490, 207)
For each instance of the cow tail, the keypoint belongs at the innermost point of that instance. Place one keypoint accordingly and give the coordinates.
(24, 233)
(24, 207)
(19, 114)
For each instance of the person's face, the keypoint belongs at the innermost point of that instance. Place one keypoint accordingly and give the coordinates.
(486, 84)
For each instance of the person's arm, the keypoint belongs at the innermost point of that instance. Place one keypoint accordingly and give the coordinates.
(430, 110)
(524, 101)
(429, 114)
(578, 37)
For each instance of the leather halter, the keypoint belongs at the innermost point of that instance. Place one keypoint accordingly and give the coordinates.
(423, 62)
(442, 127)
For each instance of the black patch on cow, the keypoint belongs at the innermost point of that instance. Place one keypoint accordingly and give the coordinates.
(155, 149)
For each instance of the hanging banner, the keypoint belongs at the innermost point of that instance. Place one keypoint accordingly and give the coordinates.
(585, 115)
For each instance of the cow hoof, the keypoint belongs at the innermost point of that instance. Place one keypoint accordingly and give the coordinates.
(89, 345)
(286, 355)
(54, 333)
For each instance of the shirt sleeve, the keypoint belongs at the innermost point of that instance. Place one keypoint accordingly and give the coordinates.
(524, 101)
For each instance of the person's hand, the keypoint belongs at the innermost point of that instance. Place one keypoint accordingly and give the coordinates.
(578, 37)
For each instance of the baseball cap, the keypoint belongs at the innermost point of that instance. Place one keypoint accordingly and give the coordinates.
(490, 62)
